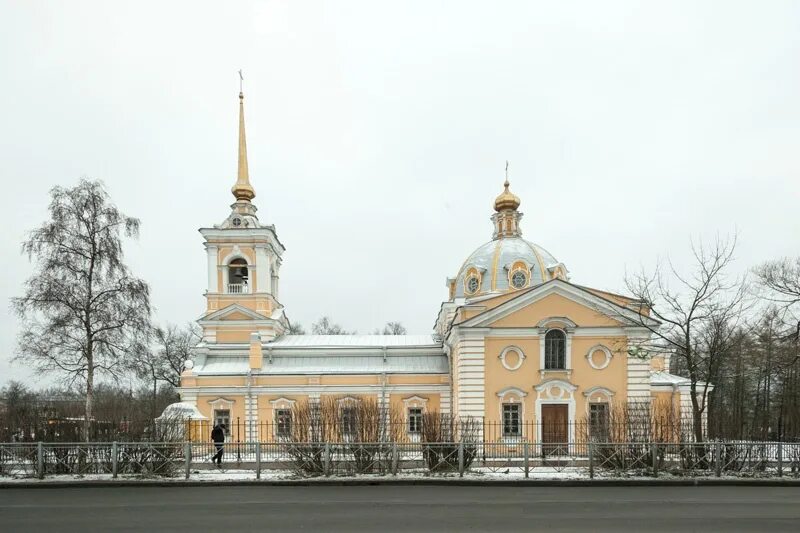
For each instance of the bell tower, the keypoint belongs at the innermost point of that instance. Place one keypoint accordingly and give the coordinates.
(244, 260)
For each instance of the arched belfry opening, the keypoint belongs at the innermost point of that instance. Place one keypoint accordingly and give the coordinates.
(237, 276)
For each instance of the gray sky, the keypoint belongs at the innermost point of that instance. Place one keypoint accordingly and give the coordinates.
(378, 132)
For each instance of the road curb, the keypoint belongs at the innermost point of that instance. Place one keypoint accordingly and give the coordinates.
(705, 482)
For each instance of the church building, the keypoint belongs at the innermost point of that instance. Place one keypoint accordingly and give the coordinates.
(517, 344)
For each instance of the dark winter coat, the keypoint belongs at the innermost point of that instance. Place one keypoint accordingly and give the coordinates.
(217, 434)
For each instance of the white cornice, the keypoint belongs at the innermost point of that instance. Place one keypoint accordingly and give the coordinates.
(562, 288)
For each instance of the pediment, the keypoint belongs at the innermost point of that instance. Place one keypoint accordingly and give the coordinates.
(554, 300)
(233, 312)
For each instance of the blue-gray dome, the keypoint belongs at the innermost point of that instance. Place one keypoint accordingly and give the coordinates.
(495, 262)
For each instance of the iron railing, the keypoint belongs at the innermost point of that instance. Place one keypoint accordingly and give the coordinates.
(292, 460)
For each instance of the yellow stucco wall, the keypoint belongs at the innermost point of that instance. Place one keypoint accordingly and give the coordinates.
(555, 305)
(527, 376)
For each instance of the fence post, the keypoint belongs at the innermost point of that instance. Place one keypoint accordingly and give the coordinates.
(395, 458)
(718, 459)
(527, 458)
(780, 459)
(461, 459)
(591, 459)
(187, 458)
(114, 459)
(258, 459)
(654, 451)
(40, 459)
(326, 460)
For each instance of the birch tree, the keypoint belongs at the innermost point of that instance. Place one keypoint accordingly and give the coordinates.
(82, 311)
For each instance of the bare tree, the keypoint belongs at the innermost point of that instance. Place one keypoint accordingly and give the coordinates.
(82, 311)
(324, 326)
(392, 328)
(164, 361)
(781, 279)
(296, 329)
(699, 313)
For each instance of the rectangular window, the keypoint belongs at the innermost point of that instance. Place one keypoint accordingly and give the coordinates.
(511, 419)
(598, 421)
(415, 420)
(348, 418)
(283, 423)
(222, 417)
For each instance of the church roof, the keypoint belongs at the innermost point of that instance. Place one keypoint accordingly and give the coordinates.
(328, 364)
(374, 341)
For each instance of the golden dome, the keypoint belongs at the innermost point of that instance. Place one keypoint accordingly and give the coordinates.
(506, 200)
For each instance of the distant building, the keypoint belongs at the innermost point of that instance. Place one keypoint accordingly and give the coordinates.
(516, 344)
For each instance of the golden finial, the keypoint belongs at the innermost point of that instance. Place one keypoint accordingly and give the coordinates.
(507, 199)
(242, 190)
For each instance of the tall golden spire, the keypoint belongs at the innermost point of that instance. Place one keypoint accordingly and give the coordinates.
(242, 190)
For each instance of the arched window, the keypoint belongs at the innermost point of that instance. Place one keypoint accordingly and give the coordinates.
(237, 276)
(555, 344)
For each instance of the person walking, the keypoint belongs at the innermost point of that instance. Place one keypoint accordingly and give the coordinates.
(218, 436)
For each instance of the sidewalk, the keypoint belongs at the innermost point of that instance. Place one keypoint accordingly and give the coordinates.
(247, 477)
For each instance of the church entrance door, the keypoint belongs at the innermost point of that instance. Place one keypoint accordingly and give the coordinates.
(555, 418)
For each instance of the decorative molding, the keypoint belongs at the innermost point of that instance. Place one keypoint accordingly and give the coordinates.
(567, 323)
(555, 383)
(568, 332)
(505, 351)
(222, 403)
(546, 395)
(513, 391)
(603, 349)
(282, 403)
(562, 288)
(608, 393)
(415, 401)
(348, 400)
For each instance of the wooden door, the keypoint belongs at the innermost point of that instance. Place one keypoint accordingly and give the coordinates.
(555, 418)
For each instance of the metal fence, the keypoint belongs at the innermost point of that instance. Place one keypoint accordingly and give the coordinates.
(287, 460)
(492, 431)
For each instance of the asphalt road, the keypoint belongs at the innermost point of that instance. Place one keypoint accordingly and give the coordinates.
(401, 508)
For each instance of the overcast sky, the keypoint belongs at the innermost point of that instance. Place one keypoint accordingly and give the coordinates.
(378, 132)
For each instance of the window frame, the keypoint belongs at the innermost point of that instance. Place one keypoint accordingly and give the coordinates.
(467, 281)
(511, 427)
(525, 279)
(414, 423)
(283, 423)
(227, 420)
(560, 356)
(599, 420)
(348, 421)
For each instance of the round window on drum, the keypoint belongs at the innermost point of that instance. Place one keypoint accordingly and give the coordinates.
(519, 279)
(473, 284)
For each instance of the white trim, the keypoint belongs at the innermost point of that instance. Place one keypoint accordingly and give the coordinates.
(228, 309)
(515, 397)
(602, 348)
(351, 400)
(415, 401)
(505, 351)
(567, 350)
(263, 269)
(580, 331)
(545, 323)
(565, 289)
(514, 391)
(212, 250)
(564, 386)
(223, 403)
(280, 403)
